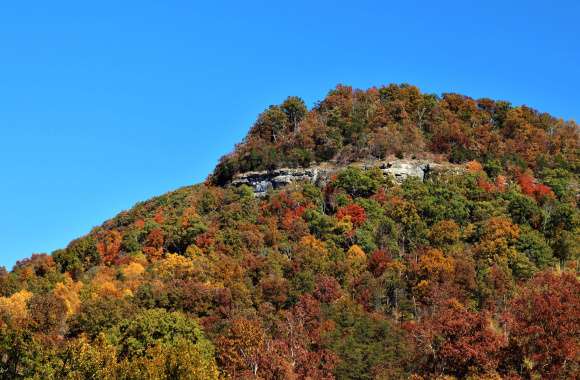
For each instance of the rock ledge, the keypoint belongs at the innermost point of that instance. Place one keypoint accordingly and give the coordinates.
(399, 170)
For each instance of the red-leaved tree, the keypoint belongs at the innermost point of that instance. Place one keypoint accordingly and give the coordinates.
(543, 323)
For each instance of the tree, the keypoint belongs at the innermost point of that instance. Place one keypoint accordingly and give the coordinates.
(68, 292)
(275, 290)
(356, 260)
(154, 244)
(84, 359)
(240, 349)
(157, 326)
(327, 289)
(444, 232)
(524, 210)
(181, 359)
(534, 246)
(47, 314)
(19, 351)
(98, 314)
(434, 265)
(455, 341)
(295, 352)
(108, 245)
(543, 323)
(78, 256)
(559, 181)
(368, 346)
(14, 309)
(358, 182)
(497, 237)
(567, 246)
(270, 125)
(531, 188)
(354, 213)
(295, 110)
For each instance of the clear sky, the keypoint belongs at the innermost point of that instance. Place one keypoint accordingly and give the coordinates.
(106, 103)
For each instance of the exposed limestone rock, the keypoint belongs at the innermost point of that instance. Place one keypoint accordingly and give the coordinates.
(275, 179)
(399, 170)
(402, 169)
(422, 169)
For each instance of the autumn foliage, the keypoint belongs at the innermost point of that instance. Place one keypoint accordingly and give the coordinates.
(531, 188)
(108, 245)
(542, 322)
(354, 213)
(470, 274)
(457, 341)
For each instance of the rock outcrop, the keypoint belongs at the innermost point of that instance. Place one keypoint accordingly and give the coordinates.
(422, 169)
(265, 180)
(399, 170)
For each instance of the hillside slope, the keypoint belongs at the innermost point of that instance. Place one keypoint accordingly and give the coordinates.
(471, 273)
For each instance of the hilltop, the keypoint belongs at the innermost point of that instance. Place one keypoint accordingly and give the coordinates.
(382, 234)
(398, 120)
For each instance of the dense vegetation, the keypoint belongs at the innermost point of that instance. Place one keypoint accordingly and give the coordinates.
(471, 275)
(398, 120)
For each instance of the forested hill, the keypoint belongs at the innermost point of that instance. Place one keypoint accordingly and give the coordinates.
(471, 274)
(399, 120)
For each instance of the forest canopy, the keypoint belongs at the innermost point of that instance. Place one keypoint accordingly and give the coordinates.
(399, 120)
(468, 275)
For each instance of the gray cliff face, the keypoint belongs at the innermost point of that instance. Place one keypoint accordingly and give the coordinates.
(275, 179)
(399, 170)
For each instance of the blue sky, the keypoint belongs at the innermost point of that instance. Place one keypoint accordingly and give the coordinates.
(103, 104)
